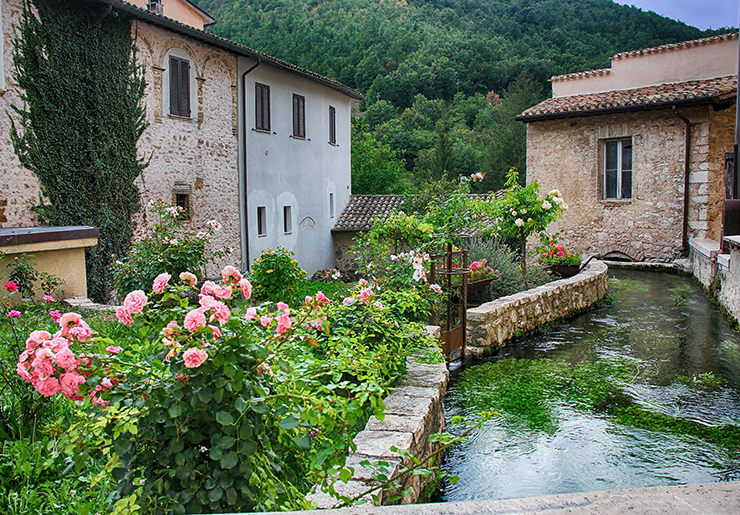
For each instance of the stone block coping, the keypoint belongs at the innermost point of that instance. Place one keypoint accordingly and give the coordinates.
(708, 248)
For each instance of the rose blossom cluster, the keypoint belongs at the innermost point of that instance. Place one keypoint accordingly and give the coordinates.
(52, 367)
(417, 260)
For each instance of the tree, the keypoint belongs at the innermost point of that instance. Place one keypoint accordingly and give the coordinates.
(376, 169)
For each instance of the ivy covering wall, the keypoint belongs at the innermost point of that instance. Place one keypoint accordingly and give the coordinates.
(79, 122)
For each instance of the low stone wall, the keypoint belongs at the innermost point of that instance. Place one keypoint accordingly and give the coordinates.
(494, 323)
(703, 256)
(413, 411)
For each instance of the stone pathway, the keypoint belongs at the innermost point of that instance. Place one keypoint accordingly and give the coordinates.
(708, 499)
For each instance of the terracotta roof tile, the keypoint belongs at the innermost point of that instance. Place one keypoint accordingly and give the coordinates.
(648, 97)
(361, 210)
(676, 46)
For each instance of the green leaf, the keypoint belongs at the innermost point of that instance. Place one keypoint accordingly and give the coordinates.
(229, 460)
(240, 404)
(223, 418)
(175, 410)
(302, 441)
(289, 422)
(226, 442)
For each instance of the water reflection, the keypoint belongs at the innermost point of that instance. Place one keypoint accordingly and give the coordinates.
(664, 324)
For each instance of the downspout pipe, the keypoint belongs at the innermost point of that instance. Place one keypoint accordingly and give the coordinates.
(244, 147)
(687, 166)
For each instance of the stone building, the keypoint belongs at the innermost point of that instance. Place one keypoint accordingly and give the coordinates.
(235, 135)
(638, 149)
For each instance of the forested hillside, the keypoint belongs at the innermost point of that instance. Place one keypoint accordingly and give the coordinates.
(420, 54)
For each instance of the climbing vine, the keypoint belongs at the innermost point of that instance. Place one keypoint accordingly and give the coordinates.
(79, 121)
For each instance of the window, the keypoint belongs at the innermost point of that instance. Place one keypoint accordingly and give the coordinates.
(618, 169)
(179, 86)
(154, 6)
(261, 221)
(262, 106)
(287, 220)
(182, 200)
(299, 116)
(332, 126)
(331, 205)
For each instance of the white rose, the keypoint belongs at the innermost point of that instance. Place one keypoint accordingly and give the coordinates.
(513, 213)
(524, 211)
(546, 205)
(519, 222)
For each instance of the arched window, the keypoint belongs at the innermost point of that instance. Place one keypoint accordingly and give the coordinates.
(178, 84)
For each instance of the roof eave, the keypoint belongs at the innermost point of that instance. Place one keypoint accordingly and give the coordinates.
(226, 45)
(622, 109)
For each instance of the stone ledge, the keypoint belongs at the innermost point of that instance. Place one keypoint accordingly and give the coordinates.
(708, 248)
(494, 323)
(414, 410)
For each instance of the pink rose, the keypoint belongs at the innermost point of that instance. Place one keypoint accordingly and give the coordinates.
(188, 278)
(57, 343)
(65, 358)
(124, 317)
(251, 314)
(283, 324)
(216, 332)
(194, 320)
(265, 320)
(113, 349)
(14, 313)
(366, 293)
(194, 357)
(55, 314)
(36, 338)
(378, 305)
(231, 275)
(82, 331)
(22, 370)
(308, 299)
(11, 286)
(246, 288)
(171, 329)
(284, 307)
(322, 298)
(347, 301)
(135, 302)
(48, 387)
(70, 385)
(212, 289)
(363, 282)
(160, 283)
(220, 312)
(264, 369)
(47, 298)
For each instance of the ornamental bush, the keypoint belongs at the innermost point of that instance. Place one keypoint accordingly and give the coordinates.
(238, 407)
(168, 247)
(276, 274)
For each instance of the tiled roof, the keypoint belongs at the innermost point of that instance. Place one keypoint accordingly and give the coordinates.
(362, 210)
(223, 43)
(676, 46)
(645, 51)
(638, 99)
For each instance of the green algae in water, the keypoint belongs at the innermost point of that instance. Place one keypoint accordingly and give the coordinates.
(531, 391)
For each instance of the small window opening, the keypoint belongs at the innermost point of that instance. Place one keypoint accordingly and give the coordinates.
(332, 126)
(182, 201)
(331, 205)
(287, 220)
(261, 221)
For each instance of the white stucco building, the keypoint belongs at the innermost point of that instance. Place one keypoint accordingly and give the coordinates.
(235, 135)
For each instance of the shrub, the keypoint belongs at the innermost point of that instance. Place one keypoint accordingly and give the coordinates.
(276, 275)
(168, 248)
(240, 407)
(23, 273)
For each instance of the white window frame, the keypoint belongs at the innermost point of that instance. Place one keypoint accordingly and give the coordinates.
(180, 53)
(619, 168)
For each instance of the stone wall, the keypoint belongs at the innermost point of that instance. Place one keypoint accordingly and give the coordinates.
(494, 323)
(567, 154)
(413, 411)
(703, 256)
(199, 154)
(344, 258)
(729, 272)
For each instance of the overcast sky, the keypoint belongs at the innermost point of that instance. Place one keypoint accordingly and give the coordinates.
(703, 14)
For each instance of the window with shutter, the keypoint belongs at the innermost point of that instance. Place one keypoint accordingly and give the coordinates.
(179, 86)
(332, 125)
(262, 106)
(617, 178)
(299, 116)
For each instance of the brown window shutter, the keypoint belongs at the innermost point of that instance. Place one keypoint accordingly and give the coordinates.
(174, 89)
(262, 106)
(299, 116)
(332, 125)
(184, 88)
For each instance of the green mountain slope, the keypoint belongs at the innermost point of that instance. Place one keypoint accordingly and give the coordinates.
(396, 49)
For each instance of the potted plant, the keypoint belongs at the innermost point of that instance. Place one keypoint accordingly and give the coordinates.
(559, 259)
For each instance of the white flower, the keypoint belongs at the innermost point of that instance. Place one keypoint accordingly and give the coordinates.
(213, 224)
(546, 205)
(564, 206)
(558, 201)
(555, 193)
(513, 213)
(419, 275)
(436, 288)
(524, 211)
(519, 222)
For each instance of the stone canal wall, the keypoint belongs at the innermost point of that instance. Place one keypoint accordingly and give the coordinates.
(413, 411)
(494, 323)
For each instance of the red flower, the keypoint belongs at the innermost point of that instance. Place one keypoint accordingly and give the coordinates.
(11, 286)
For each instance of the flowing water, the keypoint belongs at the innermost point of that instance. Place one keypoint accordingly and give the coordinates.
(642, 391)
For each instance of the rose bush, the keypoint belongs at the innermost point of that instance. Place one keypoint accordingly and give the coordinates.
(238, 407)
